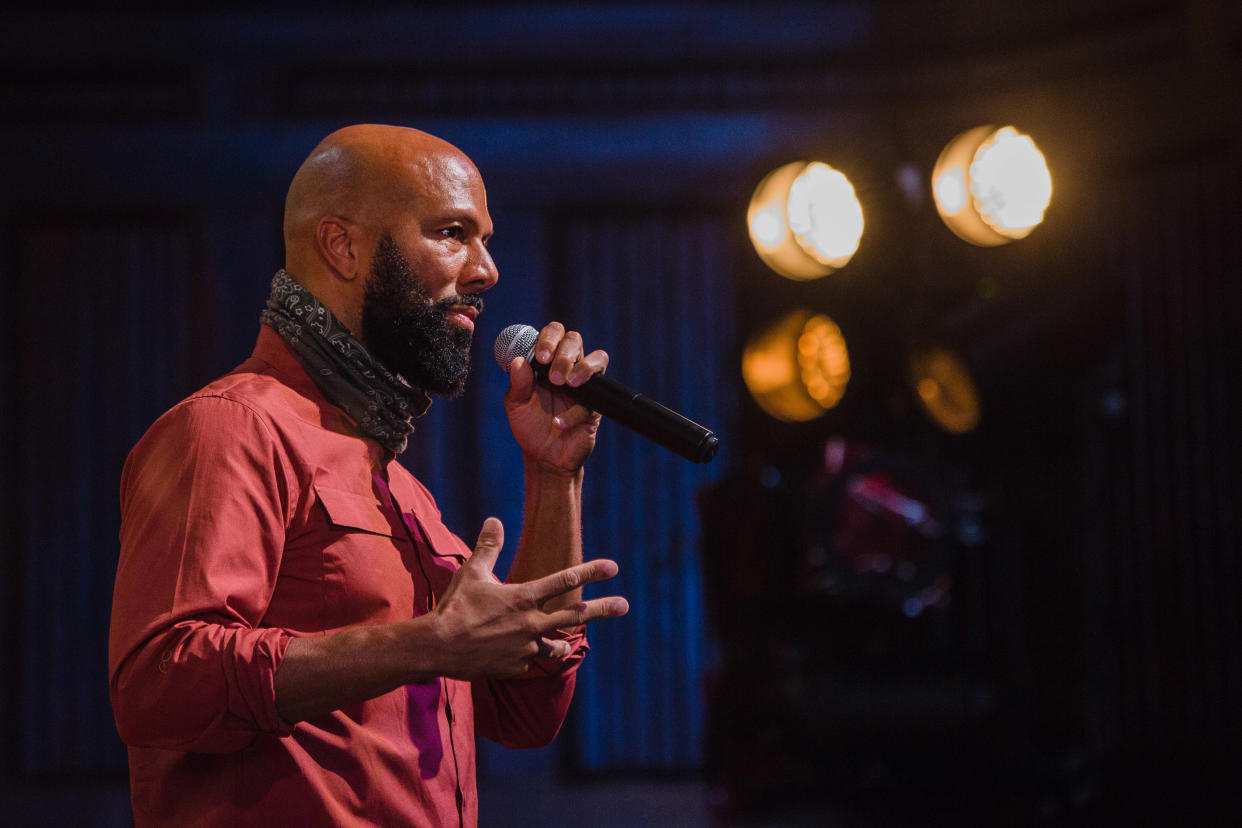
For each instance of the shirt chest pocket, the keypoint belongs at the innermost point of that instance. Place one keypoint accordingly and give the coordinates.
(354, 512)
(368, 560)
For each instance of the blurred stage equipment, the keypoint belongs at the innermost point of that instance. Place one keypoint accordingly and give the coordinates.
(797, 368)
(805, 220)
(878, 537)
(846, 596)
(945, 389)
(991, 185)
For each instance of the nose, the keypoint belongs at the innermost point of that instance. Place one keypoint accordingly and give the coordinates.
(480, 271)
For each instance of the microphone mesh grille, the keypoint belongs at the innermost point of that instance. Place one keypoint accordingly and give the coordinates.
(515, 341)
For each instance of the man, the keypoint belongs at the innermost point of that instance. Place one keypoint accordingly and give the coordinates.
(296, 637)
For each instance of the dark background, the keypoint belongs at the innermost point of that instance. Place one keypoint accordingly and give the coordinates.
(1088, 668)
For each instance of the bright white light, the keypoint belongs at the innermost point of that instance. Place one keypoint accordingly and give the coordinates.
(991, 185)
(950, 191)
(767, 226)
(1010, 183)
(804, 220)
(824, 214)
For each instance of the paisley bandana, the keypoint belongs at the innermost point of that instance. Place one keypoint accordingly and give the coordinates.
(380, 402)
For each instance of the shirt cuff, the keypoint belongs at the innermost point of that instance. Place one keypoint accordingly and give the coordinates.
(257, 679)
(544, 666)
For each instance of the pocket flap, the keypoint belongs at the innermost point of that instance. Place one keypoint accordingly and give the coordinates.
(355, 511)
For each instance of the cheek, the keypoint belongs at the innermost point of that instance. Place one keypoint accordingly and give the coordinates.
(439, 283)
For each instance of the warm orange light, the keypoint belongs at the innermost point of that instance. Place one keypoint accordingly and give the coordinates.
(945, 390)
(991, 185)
(805, 220)
(798, 368)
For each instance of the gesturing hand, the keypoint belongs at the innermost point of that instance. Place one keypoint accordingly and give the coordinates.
(493, 630)
(550, 428)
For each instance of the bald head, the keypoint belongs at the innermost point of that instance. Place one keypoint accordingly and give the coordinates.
(356, 184)
(361, 173)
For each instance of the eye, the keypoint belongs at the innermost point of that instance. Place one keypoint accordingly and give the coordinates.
(454, 232)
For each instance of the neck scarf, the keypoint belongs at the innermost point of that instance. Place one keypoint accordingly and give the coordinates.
(380, 402)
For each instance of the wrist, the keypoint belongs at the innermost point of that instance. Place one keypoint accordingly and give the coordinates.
(539, 473)
(418, 646)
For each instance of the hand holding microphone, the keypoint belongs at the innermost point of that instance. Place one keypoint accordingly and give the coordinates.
(610, 398)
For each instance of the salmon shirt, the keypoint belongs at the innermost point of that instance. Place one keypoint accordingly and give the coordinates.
(254, 512)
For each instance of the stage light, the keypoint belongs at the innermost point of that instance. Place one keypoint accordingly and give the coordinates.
(805, 220)
(945, 389)
(798, 368)
(991, 185)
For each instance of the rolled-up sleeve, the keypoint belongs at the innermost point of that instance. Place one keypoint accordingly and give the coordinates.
(204, 500)
(528, 711)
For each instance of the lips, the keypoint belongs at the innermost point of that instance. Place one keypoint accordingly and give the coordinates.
(463, 315)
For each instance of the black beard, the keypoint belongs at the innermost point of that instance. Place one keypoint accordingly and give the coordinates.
(409, 333)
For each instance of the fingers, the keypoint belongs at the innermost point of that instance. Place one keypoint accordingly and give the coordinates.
(562, 351)
(549, 338)
(487, 548)
(553, 648)
(558, 583)
(593, 363)
(568, 352)
(598, 608)
(576, 416)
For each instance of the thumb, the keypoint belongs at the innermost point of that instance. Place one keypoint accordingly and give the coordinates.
(487, 548)
(521, 381)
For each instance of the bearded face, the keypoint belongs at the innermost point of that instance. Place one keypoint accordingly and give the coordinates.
(408, 332)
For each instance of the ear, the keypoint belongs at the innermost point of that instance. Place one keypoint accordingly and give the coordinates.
(336, 240)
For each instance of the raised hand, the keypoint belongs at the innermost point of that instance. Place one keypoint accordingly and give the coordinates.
(551, 429)
(493, 630)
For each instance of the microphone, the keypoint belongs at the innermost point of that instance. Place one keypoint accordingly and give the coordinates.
(642, 415)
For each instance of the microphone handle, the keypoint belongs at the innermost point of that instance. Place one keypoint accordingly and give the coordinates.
(640, 414)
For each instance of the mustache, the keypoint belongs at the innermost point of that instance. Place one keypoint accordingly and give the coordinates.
(470, 300)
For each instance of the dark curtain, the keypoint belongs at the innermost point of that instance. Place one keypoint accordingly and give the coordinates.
(657, 290)
(1164, 630)
(101, 343)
